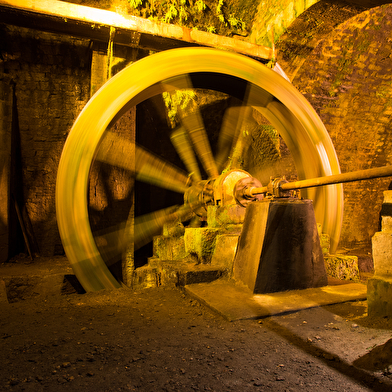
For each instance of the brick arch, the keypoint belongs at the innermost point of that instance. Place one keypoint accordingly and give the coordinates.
(347, 77)
(304, 19)
(313, 25)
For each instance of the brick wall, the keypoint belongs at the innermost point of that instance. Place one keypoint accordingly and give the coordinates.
(51, 75)
(348, 80)
(346, 77)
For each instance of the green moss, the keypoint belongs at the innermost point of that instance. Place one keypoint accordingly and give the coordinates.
(364, 46)
(180, 99)
(342, 267)
(212, 17)
(201, 243)
(265, 146)
(383, 92)
(275, 16)
(344, 68)
(273, 134)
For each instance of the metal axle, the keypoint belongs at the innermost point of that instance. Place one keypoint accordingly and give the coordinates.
(284, 186)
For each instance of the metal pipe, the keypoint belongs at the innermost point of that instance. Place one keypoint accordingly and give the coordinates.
(358, 175)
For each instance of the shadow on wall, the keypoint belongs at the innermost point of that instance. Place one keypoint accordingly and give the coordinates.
(51, 75)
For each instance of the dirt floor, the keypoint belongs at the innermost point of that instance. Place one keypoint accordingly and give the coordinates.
(163, 340)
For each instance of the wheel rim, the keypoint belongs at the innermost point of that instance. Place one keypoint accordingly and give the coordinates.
(288, 111)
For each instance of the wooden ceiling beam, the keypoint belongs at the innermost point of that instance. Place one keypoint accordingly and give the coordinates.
(92, 23)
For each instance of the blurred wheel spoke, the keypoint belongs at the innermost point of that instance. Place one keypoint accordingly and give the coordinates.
(153, 170)
(227, 135)
(237, 128)
(193, 123)
(147, 167)
(149, 225)
(195, 127)
(183, 146)
(114, 240)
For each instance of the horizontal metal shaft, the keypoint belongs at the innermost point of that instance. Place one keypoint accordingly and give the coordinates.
(358, 175)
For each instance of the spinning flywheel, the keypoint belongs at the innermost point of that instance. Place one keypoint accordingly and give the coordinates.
(251, 88)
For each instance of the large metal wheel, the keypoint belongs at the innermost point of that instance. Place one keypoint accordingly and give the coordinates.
(245, 79)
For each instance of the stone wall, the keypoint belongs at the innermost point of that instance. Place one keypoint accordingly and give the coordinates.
(51, 75)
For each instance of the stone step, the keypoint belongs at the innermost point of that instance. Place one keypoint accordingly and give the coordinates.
(175, 273)
(43, 277)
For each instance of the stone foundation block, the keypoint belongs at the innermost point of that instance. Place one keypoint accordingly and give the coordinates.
(169, 248)
(325, 240)
(379, 294)
(225, 250)
(222, 216)
(325, 243)
(387, 197)
(201, 242)
(161, 273)
(386, 223)
(342, 267)
(145, 277)
(174, 229)
(382, 253)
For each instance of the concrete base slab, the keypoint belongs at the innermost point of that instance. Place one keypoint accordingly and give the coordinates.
(238, 303)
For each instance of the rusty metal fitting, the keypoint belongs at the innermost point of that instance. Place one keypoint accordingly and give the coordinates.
(199, 196)
(243, 191)
(275, 187)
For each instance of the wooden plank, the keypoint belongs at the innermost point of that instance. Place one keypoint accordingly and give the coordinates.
(5, 166)
(89, 22)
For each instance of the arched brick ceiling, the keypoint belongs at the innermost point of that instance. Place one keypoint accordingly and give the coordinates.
(314, 24)
(345, 71)
(366, 3)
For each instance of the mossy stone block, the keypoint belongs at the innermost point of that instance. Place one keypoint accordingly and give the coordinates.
(379, 294)
(222, 216)
(325, 242)
(342, 267)
(200, 242)
(169, 248)
(225, 250)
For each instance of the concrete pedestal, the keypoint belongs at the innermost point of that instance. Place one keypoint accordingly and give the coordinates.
(379, 296)
(279, 247)
(382, 253)
(379, 292)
